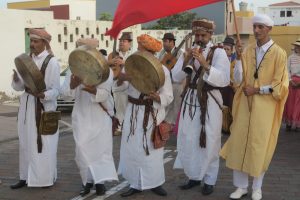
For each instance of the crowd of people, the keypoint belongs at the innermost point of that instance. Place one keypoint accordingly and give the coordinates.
(205, 79)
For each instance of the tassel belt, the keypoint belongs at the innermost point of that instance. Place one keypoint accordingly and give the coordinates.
(148, 103)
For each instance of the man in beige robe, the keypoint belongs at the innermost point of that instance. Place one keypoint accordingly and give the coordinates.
(257, 109)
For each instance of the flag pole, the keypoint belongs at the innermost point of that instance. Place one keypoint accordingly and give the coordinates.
(239, 42)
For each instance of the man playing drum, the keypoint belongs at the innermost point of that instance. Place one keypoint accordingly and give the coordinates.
(92, 127)
(200, 123)
(37, 169)
(140, 163)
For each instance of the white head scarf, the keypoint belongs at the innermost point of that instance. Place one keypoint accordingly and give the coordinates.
(262, 19)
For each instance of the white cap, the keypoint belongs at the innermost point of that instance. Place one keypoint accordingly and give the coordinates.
(262, 19)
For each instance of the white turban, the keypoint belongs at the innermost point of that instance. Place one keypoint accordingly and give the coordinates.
(262, 19)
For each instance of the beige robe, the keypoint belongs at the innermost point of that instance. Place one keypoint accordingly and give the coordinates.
(254, 133)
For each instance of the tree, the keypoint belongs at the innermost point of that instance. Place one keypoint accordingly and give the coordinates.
(180, 21)
(105, 17)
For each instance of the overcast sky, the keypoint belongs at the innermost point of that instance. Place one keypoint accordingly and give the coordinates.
(252, 3)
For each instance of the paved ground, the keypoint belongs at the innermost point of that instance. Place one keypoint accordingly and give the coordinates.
(282, 181)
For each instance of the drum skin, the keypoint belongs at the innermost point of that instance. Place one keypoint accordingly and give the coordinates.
(30, 73)
(89, 65)
(146, 72)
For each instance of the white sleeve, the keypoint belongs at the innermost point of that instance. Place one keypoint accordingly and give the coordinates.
(52, 76)
(177, 74)
(103, 90)
(65, 91)
(219, 74)
(238, 72)
(165, 92)
(18, 86)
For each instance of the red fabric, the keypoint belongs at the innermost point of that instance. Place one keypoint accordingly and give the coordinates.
(291, 115)
(131, 12)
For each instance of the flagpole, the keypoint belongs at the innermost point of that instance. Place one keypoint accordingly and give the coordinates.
(239, 42)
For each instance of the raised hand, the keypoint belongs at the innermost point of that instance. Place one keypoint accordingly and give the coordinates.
(15, 76)
(75, 81)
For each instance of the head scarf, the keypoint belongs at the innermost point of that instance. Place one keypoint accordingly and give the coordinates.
(262, 19)
(91, 42)
(41, 34)
(149, 43)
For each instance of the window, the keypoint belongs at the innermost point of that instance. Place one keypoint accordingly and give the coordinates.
(87, 31)
(77, 31)
(71, 38)
(282, 13)
(78, 18)
(106, 43)
(92, 36)
(82, 36)
(65, 31)
(66, 45)
(102, 37)
(230, 17)
(97, 30)
(289, 13)
(59, 37)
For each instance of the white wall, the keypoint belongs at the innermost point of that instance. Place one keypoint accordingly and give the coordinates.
(12, 37)
(274, 13)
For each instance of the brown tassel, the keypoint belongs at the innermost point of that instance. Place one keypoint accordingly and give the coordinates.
(203, 138)
(39, 143)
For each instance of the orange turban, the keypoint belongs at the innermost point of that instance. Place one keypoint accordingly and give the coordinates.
(149, 43)
(41, 34)
(91, 42)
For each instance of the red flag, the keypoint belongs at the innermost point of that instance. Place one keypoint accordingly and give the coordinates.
(131, 12)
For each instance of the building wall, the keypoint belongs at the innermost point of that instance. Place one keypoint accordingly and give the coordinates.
(12, 39)
(29, 4)
(79, 9)
(274, 13)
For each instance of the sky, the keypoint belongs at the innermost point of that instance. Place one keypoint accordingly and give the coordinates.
(252, 3)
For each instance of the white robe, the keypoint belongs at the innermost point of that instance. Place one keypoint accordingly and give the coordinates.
(92, 131)
(173, 109)
(120, 95)
(142, 171)
(38, 169)
(202, 163)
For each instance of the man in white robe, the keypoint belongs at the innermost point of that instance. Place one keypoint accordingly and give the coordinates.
(140, 164)
(199, 131)
(173, 109)
(92, 130)
(37, 169)
(117, 65)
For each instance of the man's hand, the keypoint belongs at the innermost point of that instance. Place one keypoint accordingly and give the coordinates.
(75, 81)
(154, 96)
(123, 77)
(90, 89)
(15, 76)
(249, 91)
(238, 50)
(40, 95)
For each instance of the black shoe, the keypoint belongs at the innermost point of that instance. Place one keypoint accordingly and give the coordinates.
(19, 184)
(207, 189)
(190, 184)
(100, 189)
(159, 191)
(130, 192)
(86, 189)
(288, 128)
